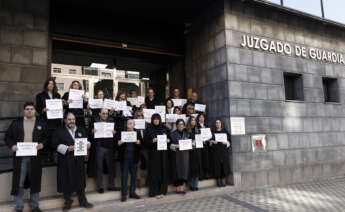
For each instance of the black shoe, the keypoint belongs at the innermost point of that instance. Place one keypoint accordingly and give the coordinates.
(196, 189)
(67, 207)
(113, 189)
(86, 204)
(219, 183)
(134, 196)
(19, 210)
(123, 199)
(101, 190)
(37, 209)
(192, 189)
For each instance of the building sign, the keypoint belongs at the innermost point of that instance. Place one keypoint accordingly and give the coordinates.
(237, 125)
(285, 48)
(259, 143)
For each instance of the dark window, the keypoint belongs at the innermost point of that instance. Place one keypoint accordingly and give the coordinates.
(330, 89)
(57, 70)
(72, 71)
(293, 86)
(90, 71)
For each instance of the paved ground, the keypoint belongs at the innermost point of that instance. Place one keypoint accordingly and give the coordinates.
(323, 196)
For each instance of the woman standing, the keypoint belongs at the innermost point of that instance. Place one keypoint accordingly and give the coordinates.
(206, 158)
(221, 153)
(78, 112)
(158, 159)
(179, 159)
(119, 118)
(194, 156)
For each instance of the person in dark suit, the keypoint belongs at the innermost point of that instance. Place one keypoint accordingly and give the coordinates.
(150, 99)
(27, 170)
(70, 168)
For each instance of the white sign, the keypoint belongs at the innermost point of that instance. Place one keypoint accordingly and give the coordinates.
(185, 144)
(140, 124)
(104, 129)
(221, 137)
(96, 103)
(179, 102)
(182, 116)
(206, 133)
(200, 107)
(55, 110)
(77, 98)
(162, 142)
(141, 100)
(127, 112)
(109, 104)
(133, 101)
(148, 114)
(80, 146)
(237, 126)
(128, 136)
(120, 105)
(170, 118)
(199, 141)
(160, 109)
(26, 149)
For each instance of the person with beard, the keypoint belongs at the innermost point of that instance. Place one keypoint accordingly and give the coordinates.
(27, 170)
(70, 168)
(102, 149)
(158, 159)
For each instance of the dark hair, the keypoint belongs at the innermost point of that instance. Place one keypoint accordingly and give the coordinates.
(99, 91)
(176, 108)
(156, 116)
(172, 102)
(46, 83)
(121, 92)
(67, 113)
(28, 103)
(80, 86)
(179, 120)
(221, 122)
(189, 125)
(198, 117)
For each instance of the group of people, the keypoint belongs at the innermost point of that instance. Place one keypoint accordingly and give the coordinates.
(165, 166)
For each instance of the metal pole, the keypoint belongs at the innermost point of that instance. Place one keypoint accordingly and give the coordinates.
(281, 3)
(322, 9)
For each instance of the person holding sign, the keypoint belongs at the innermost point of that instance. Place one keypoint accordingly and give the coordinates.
(179, 159)
(70, 168)
(221, 153)
(26, 130)
(49, 92)
(129, 154)
(119, 118)
(194, 156)
(102, 148)
(206, 158)
(150, 99)
(94, 112)
(158, 159)
(78, 112)
(140, 126)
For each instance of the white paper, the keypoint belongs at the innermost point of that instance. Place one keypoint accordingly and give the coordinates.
(77, 98)
(237, 126)
(170, 118)
(141, 100)
(133, 101)
(179, 102)
(206, 133)
(199, 141)
(160, 109)
(109, 104)
(200, 107)
(55, 110)
(127, 112)
(195, 115)
(80, 146)
(96, 103)
(139, 124)
(162, 142)
(148, 114)
(185, 144)
(104, 129)
(182, 116)
(129, 136)
(120, 105)
(221, 137)
(26, 149)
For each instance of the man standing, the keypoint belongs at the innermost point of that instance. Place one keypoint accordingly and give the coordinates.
(27, 170)
(150, 99)
(70, 168)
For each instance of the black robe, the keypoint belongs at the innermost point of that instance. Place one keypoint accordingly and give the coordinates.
(14, 134)
(123, 148)
(150, 104)
(158, 160)
(206, 159)
(221, 156)
(194, 159)
(120, 120)
(70, 168)
(78, 112)
(179, 160)
(41, 98)
(95, 144)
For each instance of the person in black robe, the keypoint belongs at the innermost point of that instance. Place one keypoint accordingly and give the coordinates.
(158, 159)
(221, 154)
(49, 92)
(78, 112)
(179, 159)
(102, 149)
(70, 168)
(129, 154)
(194, 156)
(27, 171)
(150, 99)
(206, 155)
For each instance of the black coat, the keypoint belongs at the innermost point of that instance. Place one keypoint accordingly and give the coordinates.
(206, 158)
(15, 133)
(123, 148)
(150, 104)
(96, 143)
(158, 160)
(78, 112)
(70, 168)
(194, 159)
(41, 104)
(179, 160)
(221, 156)
(120, 120)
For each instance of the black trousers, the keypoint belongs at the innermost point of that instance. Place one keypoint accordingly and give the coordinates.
(157, 188)
(68, 197)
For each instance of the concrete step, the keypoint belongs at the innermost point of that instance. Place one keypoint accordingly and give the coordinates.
(55, 203)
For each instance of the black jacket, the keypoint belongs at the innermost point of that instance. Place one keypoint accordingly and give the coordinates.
(123, 148)
(150, 104)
